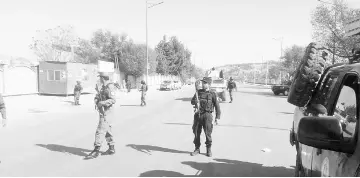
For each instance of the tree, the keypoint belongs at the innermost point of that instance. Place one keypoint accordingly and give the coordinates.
(54, 44)
(131, 57)
(86, 52)
(292, 58)
(173, 58)
(328, 22)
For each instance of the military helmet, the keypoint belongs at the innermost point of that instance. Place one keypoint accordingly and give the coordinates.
(142, 82)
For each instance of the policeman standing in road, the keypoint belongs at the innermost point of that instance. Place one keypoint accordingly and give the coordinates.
(77, 92)
(231, 85)
(3, 111)
(105, 102)
(203, 118)
(143, 90)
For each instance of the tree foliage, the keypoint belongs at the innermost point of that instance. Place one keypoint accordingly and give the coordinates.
(292, 58)
(54, 44)
(328, 23)
(173, 58)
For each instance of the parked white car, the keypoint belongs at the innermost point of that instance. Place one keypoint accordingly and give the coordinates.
(177, 84)
(167, 85)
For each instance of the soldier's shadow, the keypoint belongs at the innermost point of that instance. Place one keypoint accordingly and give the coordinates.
(64, 149)
(148, 149)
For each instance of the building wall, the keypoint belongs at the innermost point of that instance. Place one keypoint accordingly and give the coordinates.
(46, 84)
(86, 73)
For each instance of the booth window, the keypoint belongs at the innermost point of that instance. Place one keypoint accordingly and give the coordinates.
(57, 75)
(53, 75)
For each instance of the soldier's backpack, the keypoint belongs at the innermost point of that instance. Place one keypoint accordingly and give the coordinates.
(232, 85)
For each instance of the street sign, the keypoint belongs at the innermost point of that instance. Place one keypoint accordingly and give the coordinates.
(104, 66)
(352, 27)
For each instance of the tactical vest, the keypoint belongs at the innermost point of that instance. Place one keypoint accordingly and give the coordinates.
(104, 92)
(231, 85)
(206, 103)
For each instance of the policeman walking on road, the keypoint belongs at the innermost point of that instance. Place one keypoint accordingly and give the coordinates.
(206, 101)
(77, 92)
(3, 111)
(230, 87)
(105, 102)
(143, 89)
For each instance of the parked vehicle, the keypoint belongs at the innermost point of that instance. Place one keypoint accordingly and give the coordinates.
(177, 84)
(219, 86)
(325, 128)
(284, 88)
(167, 85)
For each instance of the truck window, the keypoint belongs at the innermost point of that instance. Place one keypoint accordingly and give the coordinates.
(346, 108)
(325, 91)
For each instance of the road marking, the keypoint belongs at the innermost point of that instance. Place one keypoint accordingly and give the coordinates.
(198, 173)
(266, 150)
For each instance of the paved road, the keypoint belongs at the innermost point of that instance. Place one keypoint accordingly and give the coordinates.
(49, 137)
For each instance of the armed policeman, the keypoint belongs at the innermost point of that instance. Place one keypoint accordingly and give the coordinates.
(206, 101)
(105, 101)
(231, 86)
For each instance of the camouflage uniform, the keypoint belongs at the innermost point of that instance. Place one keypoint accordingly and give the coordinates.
(2, 108)
(77, 92)
(143, 90)
(105, 100)
(207, 102)
(230, 87)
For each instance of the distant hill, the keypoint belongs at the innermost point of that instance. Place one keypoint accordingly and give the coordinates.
(245, 71)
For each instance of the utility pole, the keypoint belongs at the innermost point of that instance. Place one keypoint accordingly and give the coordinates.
(335, 13)
(267, 71)
(254, 75)
(147, 50)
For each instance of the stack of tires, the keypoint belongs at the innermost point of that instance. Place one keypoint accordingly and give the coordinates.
(307, 75)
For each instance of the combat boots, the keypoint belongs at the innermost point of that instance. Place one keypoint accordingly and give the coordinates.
(208, 151)
(110, 151)
(94, 154)
(196, 152)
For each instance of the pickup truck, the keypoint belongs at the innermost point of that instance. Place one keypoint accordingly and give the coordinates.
(284, 88)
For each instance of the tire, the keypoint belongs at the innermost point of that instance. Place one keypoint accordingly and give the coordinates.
(276, 93)
(307, 75)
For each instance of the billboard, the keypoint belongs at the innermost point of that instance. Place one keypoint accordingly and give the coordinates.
(352, 27)
(104, 66)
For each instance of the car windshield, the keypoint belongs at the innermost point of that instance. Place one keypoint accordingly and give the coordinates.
(166, 81)
(175, 82)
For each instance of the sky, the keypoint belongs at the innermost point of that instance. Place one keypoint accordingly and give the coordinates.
(217, 32)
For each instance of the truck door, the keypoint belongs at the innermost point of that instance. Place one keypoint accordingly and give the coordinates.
(342, 102)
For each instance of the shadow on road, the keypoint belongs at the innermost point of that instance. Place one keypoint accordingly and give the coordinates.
(130, 105)
(148, 148)
(65, 149)
(71, 102)
(245, 126)
(231, 168)
(33, 110)
(161, 173)
(286, 112)
(263, 93)
(184, 99)
(225, 168)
